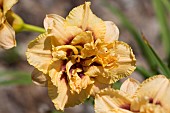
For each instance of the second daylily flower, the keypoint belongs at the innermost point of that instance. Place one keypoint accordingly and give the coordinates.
(78, 56)
(151, 96)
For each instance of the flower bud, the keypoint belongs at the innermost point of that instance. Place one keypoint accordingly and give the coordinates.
(15, 21)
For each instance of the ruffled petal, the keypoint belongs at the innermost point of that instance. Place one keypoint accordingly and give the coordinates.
(82, 38)
(61, 95)
(77, 80)
(58, 94)
(157, 89)
(52, 19)
(60, 33)
(116, 111)
(75, 99)
(124, 64)
(7, 36)
(117, 61)
(83, 17)
(109, 100)
(151, 108)
(39, 78)
(2, 18)
(99, 73)
(89, 50)
(97, 87)
(129, 86)
(59, 54)
(39, 53)
(103, 75)
(7, 5)
(86, 81)
(59, 88)
(112, 32)
(145, 105)
(56, 70)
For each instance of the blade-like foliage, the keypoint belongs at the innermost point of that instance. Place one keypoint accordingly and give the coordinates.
(166, 4)
(161, 14)
(12, 77)
(116, 85)
(163, 67)
(143, 72)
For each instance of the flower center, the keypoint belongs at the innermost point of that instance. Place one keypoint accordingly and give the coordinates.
(72, 69)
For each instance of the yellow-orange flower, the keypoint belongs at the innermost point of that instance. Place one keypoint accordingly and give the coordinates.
(151, 96)
(78, 56)
(7, 34)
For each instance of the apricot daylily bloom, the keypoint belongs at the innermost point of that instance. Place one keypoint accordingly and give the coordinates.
(7, 33)
(151, 96)
(78, 56)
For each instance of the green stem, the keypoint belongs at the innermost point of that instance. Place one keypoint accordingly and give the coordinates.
(28, 27)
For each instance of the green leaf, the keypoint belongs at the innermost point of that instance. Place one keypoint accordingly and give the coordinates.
(116, 85)
(163, 67)
(143, 72)
(166, 4)
(165, 31)
(10, 56)
(90, 101)
(12, 77)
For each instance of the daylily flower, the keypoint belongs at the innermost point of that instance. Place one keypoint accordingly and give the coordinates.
(151, 96)
(78, 56)
(7, 33)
